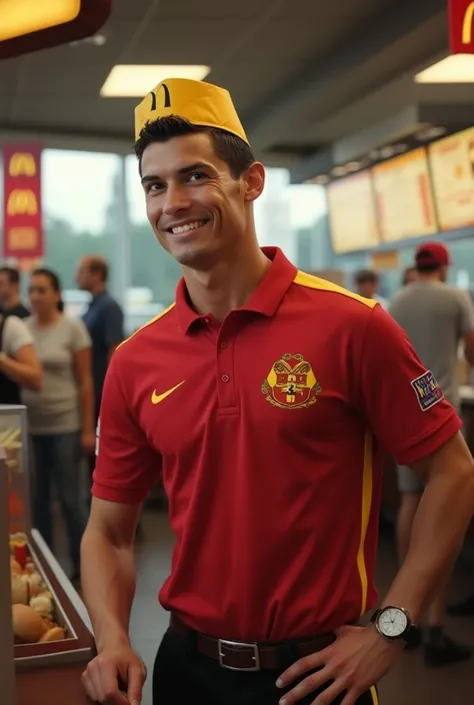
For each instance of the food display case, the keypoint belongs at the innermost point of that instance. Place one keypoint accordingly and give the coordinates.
(49, 632)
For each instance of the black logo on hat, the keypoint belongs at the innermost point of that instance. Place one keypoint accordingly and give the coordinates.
(167, 101)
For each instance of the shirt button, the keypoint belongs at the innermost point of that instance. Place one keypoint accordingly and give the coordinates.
(225, 378)
(224, 345)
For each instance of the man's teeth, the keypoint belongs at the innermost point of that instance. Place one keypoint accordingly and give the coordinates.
(186, 228)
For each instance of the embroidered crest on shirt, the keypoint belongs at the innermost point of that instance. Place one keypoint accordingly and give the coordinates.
(427, 390)
(291, 383)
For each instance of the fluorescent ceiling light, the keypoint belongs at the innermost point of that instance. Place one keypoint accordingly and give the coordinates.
(457, 68)
(19, 18)
(135, 81)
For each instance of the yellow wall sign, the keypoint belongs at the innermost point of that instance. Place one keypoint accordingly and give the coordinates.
(30, 25)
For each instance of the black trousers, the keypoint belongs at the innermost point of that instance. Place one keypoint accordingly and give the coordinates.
(182, 676)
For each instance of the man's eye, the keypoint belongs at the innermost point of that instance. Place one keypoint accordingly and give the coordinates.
(155, 187)
(196, 176)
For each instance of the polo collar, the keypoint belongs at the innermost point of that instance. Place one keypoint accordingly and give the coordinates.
(265, 299)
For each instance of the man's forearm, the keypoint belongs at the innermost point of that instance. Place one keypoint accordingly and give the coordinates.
(442, 519)
(108, 581)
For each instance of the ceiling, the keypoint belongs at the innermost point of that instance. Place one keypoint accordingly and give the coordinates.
(314, 82)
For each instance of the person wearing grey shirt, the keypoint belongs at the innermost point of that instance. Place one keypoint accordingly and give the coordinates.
(61, 414)
(437, 318)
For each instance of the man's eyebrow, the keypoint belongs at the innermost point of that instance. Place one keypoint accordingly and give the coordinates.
(184, 170)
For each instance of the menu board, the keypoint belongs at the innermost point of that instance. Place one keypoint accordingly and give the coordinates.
(404, 198)
(452, 170)
(352, 213)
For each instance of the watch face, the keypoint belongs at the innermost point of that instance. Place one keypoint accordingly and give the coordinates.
(392, 622)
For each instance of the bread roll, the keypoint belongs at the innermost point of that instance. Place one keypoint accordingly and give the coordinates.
(27, 625)
(20, 590)
(15, 567)
(55, 634)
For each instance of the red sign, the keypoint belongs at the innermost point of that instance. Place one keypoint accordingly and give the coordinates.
(461, 26)
(22, 214)
(37, 24)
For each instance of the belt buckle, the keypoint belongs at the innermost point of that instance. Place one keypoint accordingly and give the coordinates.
(239, 645)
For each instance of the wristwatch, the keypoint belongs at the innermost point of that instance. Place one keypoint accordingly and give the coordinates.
(395, 623)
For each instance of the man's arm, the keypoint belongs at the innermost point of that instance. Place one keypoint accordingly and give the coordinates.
(126, 469)
(466, 326)
(407, 414)
(108, 570)
(113, 333)
(443, 516)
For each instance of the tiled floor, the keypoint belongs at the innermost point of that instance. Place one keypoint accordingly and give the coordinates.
(409, 683)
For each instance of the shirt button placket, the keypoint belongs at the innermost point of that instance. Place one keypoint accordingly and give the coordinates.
(225, 369)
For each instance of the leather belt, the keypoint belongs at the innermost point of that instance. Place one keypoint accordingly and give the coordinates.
(243, 656)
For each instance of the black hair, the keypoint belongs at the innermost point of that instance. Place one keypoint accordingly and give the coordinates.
(233, 150)
(54, 280)
(12, 273)
(365, 276)
(427, 268)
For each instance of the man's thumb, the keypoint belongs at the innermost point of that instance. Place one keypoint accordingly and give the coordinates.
(136, 678)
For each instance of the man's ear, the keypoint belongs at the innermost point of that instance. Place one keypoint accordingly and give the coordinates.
(254, 180)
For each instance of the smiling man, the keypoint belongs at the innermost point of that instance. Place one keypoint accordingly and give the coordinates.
(265, 400)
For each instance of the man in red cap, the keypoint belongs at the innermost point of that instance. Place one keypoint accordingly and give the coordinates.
(436, 318)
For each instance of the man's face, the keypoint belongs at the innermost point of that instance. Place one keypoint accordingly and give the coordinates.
(367, 289)
(6, 287)
(196, 208)
(83, 275)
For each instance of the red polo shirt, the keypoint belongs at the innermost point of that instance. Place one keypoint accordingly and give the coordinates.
(268, 431)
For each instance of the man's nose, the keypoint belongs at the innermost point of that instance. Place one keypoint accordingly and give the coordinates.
(176, 199)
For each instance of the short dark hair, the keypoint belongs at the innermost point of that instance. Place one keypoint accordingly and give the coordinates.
(12, 273)
(233, 150)
(54, 280)
(98, 265)
(366, 276)
(427, 268)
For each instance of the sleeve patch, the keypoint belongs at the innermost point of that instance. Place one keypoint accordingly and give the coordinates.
(427, 390)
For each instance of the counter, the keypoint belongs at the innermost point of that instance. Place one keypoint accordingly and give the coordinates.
(55, 679)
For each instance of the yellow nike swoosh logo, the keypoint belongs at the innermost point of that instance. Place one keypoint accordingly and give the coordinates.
(157, 398)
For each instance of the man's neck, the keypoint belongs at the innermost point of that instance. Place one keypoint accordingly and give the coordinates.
(97, 289)
(428, 277)
(228, 285)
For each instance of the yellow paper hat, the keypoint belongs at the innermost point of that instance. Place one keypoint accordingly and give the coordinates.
(198, 102)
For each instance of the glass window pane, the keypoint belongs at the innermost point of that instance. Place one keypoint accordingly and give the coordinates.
(80, 204)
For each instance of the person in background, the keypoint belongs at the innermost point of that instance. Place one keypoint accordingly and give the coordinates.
(19, 363)
(367, 282)
(10, 299)
(436, 318)
(61, 415)
(104, 322)
(410, 275)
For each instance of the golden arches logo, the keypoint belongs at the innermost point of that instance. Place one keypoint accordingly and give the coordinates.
(21, 202)
(22, 163)
(467, 24)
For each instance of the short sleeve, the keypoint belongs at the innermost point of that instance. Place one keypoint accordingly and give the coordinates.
(126, 466)
(113, 333)
(16, 335)
(402, 401)
(80, 338)
(466, 314)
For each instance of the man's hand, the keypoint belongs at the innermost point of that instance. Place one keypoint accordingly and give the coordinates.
(113, 673)
(354, 663)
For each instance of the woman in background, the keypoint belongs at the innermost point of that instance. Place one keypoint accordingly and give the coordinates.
(61, 415)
